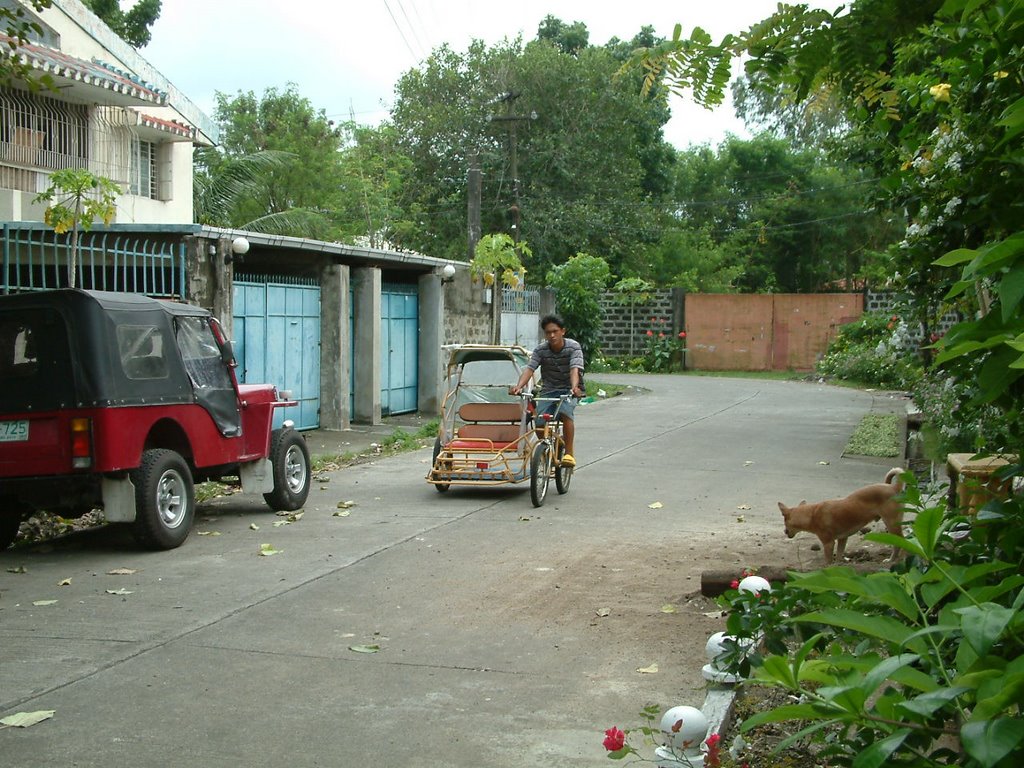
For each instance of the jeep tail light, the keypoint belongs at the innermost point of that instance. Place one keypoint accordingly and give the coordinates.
(81, 443)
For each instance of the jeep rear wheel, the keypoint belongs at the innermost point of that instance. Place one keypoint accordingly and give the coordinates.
(165, 501)
(289, 458)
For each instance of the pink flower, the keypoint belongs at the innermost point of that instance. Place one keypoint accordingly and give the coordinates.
(682, 334)
(650, 333)
(734, 583)
(614, 739)
(661, 335)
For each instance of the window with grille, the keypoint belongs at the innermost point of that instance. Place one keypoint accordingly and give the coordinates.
(39, 132)
(143, 173)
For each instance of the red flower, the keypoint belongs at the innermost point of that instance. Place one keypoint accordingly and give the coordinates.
(734, 583)
(714, 758)
(661, 335)
(682, 334)
(650, 333)
(614, 739)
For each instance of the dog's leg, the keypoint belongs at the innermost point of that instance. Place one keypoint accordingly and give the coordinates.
(893, 525)
(841, 548)
(826, 549)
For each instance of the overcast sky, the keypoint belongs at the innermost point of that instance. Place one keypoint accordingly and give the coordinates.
(346, 57)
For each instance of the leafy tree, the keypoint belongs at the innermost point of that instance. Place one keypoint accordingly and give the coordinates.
(77, 197)
(279, 122)
(578, 285)
(588, 166)
(19, 26)
(372, 177)
(132, 26)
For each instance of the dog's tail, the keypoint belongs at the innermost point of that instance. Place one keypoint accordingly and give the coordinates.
(892, 477)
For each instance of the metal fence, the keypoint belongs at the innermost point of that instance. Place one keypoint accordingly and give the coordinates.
(37, 259)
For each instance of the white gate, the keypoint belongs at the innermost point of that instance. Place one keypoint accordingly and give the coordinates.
(520, 317)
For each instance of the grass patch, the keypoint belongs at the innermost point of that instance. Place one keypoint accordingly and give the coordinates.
(877, 435)
(610, 390)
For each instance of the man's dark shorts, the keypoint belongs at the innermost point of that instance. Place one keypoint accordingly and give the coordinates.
(567, 409)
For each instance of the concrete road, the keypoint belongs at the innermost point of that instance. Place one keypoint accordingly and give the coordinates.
(488, 613)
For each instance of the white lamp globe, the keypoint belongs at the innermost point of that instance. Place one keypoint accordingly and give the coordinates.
(684, 727)
(755, 585)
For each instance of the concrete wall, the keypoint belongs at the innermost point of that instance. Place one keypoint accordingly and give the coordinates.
(625, 327)
(467, 318)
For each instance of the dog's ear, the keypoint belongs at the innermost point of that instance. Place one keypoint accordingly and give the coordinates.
(783, 508)
(802, 502)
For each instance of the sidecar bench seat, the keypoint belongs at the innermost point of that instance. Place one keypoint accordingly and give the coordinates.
(488, 427)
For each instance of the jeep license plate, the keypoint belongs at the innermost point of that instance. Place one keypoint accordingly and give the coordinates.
(13, 431)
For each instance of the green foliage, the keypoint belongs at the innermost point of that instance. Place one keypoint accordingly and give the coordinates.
(19, 25)
(662, 348)
(578, 285)
(132, 26)
(921, 666)
(877, 434)
(871, 351)
(589, 166)
(281, 157)
(497, 260)
(75, 198)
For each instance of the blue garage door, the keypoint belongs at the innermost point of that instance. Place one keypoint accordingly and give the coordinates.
(399, 309)
(277, 340)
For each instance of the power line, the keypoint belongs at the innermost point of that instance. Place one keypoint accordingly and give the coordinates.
(400, 32)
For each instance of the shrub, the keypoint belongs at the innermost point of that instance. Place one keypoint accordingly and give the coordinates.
(921, 666)
(871, 351)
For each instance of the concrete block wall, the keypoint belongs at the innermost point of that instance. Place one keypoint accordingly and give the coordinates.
(467, 318)
(885, 301)
(621, 323)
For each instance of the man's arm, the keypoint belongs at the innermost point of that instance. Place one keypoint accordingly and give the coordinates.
(527, 375)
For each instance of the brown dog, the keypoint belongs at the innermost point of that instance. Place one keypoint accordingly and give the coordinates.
(835, 520)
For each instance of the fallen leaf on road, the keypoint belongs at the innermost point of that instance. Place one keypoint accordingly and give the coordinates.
(122, 572)
(25, 719)
(253, 526)
(295, 517)
(266, 550)
(743, 506)
(747, 463)
(342, 513)
(823, 463)
(19, 569)
(715, 614)
(64, 583)
(346, 504)
(364, 648)
(741, 519)
(524, 519)
(279, 523)
(651, 670)
(668, 608)
(44, 602)
(603, 611)
(121, 591)
(207, 533)
(655, 505)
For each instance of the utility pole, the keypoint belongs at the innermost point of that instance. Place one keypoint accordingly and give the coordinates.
(474, 184)
(513, 141)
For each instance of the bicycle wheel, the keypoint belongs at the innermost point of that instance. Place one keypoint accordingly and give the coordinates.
(540, 473)
(563, 473)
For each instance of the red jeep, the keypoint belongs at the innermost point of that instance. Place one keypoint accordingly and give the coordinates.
(120, 401)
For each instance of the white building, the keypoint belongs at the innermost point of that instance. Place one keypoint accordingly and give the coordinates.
(110, 111)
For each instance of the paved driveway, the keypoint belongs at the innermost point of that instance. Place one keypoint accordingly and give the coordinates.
(485, 610)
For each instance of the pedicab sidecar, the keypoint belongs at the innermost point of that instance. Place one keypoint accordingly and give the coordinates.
(486, 435)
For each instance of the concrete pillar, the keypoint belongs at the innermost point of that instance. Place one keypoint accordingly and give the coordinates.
(209, 278)
(546, 302)
(366, 285)
(431, 321)
(335, 347)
